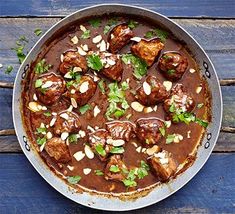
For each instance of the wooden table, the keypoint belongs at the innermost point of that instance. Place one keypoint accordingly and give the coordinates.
(211, 23)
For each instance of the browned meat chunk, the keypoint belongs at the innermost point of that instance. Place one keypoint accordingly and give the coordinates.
(82, 91)
(113, 67)
(121, 129)
(67, 122)
(179, 101)
(173, 65)
(119, 36)
(97, 141)
(151, 92)
(114, 169)
(57, 149)
(49, 88)
(163, 165)
(73, 59)
(147, 50)
(147, 130)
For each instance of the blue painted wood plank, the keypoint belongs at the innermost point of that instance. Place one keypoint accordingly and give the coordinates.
(182, 8)
(24, 191)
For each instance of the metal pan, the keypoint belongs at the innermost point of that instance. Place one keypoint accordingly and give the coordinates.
(159, 192)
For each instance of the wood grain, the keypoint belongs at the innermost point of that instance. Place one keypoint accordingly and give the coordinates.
(193, 8)
(24, 190)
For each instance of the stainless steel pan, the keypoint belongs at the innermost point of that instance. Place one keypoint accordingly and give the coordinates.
(159, 192)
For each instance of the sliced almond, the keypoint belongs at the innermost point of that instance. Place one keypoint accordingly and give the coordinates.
(136, 39)
(189, 134)
(118, 142)
(49, 135)
(85, 47)
(74, 102)
(35, 97)
(138, 149)
(68, 75)
(64, 135)
(42, 147)
(164, 161)
(54, 113)
(168, 85)
(137, 106)
(152, 150)
(147, 88)
(96, 111)
(47, 84)
(71, 168)
(97, 39)
(79, 155)
(167, 123)
(82, 133)
(70, 109)
(74, 40)
(198, 89)
(64, 116)
(62, 57)
(143, 150)
(73, 91)
(134, 144)
(89, 153)
(44, 108)
(148, 110)
(191, 70)
(111, 62)
(96, 78)
(77, 69)
(84, 87)
(155, 108)
(102, 46)
(90, 128)
(81, 51)
(33, 106)
(82, 28)
(86, 171)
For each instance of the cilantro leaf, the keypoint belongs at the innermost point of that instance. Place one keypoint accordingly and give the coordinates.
(72, 138)
(202, 122)
(47, 114)
(117, 150)
(74, 179)
(162, 131)
(38, 83)
(42, 67)
(100, 150)
(114, 168)
(9, 69)
(161, 34)
(143, 170)
(95, 22)
(41, 141)
(101, 86)
(200, 105)
(170, 138)
(99, 172)
(38, 31)
(132, 24)
(94, 62)
(84, 109)
(86, 34)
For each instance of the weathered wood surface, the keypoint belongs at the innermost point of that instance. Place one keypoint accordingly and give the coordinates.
(217, 37)
(24, 191)
(193, 8)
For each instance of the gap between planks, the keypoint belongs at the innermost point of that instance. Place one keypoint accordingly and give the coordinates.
(223, 82)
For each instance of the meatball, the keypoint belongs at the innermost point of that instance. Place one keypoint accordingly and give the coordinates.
(114, 169)
(82, 91)
(97, 141)
(118, 37)
(179, 101)
(72, 59)
(147, 50)
(151, 92)
(113, 67)
(148, 130)
(121, 129)
(163, 165)
(50, 89)
(67, 122)
(173, 65)
(57, 149)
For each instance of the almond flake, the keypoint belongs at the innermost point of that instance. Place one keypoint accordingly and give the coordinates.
(96, 78)
(81, 51)
(35, 97)
(47, 84)
(111, 62)
(139, 149)
(189, 134)
(191, 70)
(86, 171)
(136, 39)
(147, 88)
(70, 109)
(164, 161)
(155, 108)
(42, 147)
(84, 87)
(44, 108)
(148, 110)
(96, 111)
(64, 116)
(134, 144)
(49, 135)
(62, 57)
(152, 150)
(64, 135)
(137, 106)
(85, 47)
(74, 40)
(97, 39)
(82, 133)
(74, 102)
(102, 46)
(90, 128)
(168, 85)
(111, 36)
(79, 155)
(198, 89)
(82, 28)
(33, 106)
(118, 142)
(77, 69)
(73, 91)
(71, 168)
(54, 113)
(89, 153)
(167, 123)
(68, 75)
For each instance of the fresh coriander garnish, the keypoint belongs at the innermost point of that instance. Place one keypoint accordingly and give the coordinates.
(200, 105)
(42, 67)
(94, 62)
(132, 24)
(114, 168)
(95, 22)
(38, 31)
(9, 69)
(41, 130)
(19, 49)
(171, 71)
(73, 179)
(117, 150)
(130, 179)
(100, 150)
(101, 86)
(143, 170)
(38, 83)
(139, 65)
(111, 23)
(41, 141)
(99, 172)
(47, 114)
(161, 34)
(84, 109)
(162, 131)
(86, 34)
(125, 85)
(202, 122)
(170, 138)
(72, 138)
(106, 29)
